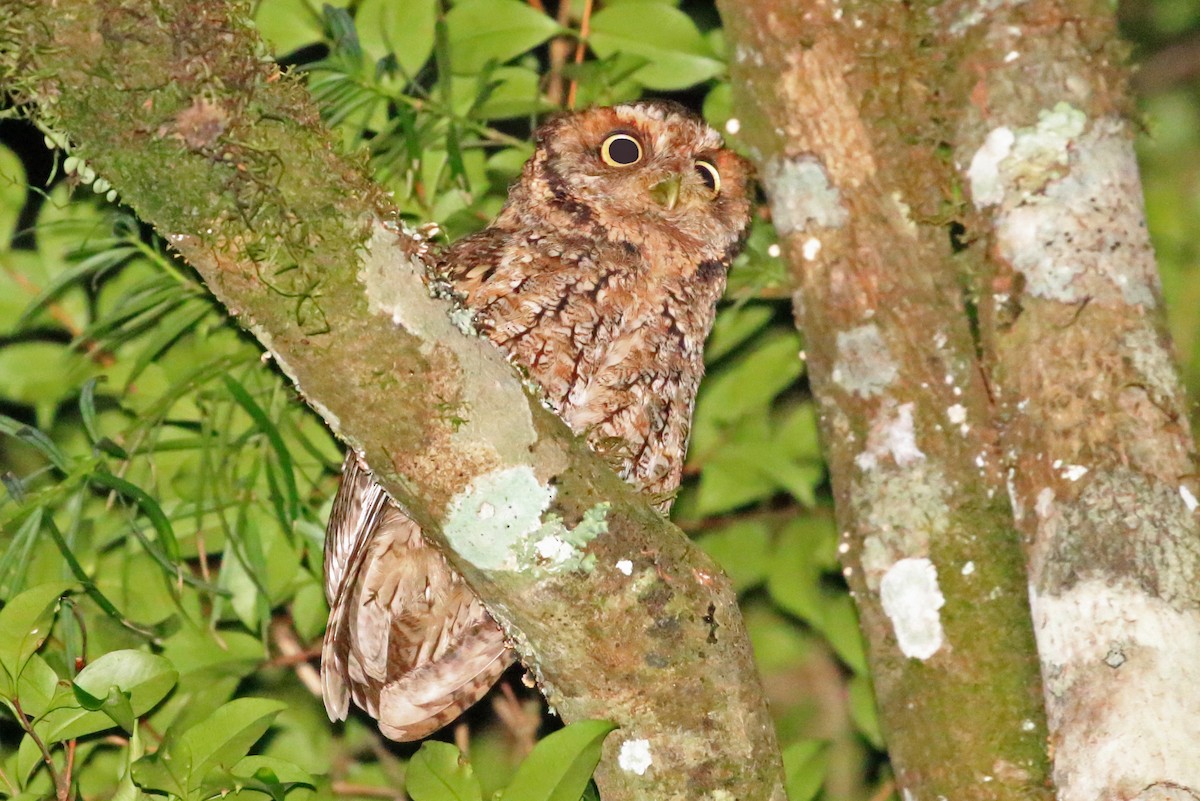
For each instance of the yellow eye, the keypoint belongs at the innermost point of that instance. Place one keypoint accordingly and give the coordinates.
(621, 150)
(709, 175)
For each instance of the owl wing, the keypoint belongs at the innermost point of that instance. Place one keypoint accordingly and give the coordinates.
(407, 638)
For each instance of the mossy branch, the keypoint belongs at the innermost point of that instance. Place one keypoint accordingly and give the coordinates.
(177, 106)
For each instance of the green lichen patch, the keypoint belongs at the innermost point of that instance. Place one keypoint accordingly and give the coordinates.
(556, 548)
(499, 523)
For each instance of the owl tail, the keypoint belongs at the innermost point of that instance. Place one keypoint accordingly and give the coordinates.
(407, 639)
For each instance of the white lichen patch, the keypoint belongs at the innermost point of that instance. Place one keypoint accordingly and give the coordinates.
(1189, 500)
(984, 171)
(1117, 661)
(902, 511)
(555, 548)
(802, 196)
(1152, 361)
(911, 598)
(864, 366)
(497, 517)
(891, 436)
(1044, 505)
(904, 211)
(1038, 153)
(394, 285)
(811, 248)
(1070, 214)
(1074, 472)
(634, 757)
(971, 14)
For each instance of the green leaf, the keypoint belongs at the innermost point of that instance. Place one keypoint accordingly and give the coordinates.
(31, 436)
(742, 550)
(224, 738)
(162, 525)
(12, 195)
(15, 561)
(403, 30)
(735, 325)
(309, 610)
(141, 681)
(805, 552)
(264, 424)
(267, 775)
(508, 92)
(24, 624)
(37, 686)
(147, 678)
(439, 772)
(677, 55)
(289, 24)
(29, 757)
(805, 764)
(480, 31)
(864, 711)
(559, 767)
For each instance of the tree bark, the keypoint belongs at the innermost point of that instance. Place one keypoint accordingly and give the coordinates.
(174, 105)
(835, 106)
(869, 122)
(1092, 414)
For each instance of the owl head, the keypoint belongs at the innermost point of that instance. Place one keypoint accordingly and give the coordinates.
(651, 174)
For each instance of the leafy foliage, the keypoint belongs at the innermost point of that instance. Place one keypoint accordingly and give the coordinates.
(160, 558)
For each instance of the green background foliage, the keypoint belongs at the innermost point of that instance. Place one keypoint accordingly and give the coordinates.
(165, 489)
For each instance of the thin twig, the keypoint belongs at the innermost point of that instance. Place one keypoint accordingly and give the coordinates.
(462, 738)
(61, 790)
(12, 790)
(92, 348)
(560, 48)
(585, 29)
(520, 722)
(70, 768)
(367, 790)
(294, 653)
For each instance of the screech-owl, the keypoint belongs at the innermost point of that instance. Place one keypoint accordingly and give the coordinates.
(600, 277)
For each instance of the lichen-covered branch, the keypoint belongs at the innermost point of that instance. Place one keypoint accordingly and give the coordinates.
(175, 105)
(837, 104)
(1094, 418)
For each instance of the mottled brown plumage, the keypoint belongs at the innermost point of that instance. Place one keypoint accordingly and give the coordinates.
(600, 277)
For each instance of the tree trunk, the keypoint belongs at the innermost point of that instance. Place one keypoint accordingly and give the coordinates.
(1089, 402)
(173, 105)
(869, 124)
(929, 546)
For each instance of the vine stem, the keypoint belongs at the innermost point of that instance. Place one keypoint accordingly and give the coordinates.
(62, 786)
(585, 28)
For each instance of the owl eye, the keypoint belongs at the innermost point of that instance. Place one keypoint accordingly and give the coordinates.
(709, 175)
(621, 150)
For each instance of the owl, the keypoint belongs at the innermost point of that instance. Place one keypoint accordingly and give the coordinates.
(600, 277)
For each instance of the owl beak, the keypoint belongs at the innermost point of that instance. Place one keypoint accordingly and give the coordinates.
(667, 192)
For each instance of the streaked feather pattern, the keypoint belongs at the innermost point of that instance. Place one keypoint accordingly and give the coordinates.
(605, 293)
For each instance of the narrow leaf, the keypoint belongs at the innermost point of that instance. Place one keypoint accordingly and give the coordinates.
(559, 767)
